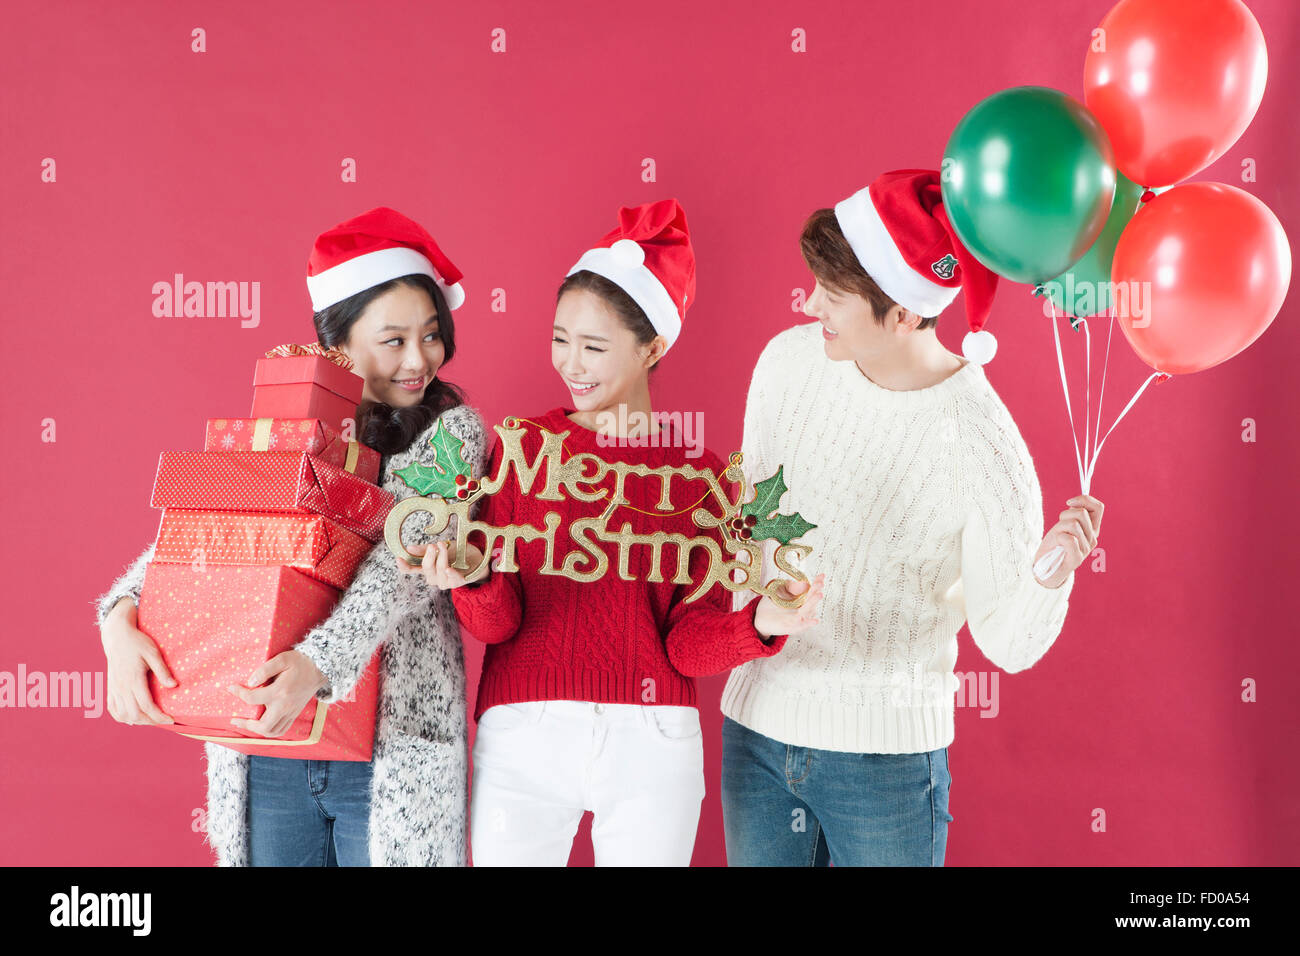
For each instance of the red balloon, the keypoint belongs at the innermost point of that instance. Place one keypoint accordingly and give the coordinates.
(1211, 265)
(1176, 85)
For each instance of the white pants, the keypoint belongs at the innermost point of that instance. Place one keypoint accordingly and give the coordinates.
(539, 765)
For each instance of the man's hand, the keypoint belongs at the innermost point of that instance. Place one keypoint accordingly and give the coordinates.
(1077, 532)
(294, 679)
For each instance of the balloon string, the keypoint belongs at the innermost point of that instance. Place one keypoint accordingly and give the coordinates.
(1060, 364)
(1096, 454)
(1105, 366)
(1087, 385)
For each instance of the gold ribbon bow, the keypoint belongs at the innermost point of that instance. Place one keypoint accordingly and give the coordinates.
(312, 348)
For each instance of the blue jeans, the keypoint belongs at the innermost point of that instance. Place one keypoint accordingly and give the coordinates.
(308, 812)
(798, 806)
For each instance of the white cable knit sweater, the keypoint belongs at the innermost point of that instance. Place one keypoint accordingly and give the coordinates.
(928, 514)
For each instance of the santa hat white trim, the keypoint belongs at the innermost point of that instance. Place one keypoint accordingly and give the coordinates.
(637, 281)
(361, 272)
(871, 243)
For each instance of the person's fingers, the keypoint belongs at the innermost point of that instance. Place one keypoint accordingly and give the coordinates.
(1095, 509)
(1084, 518)
(252, 726)
(442, 559)
(153, 657)
(148, 709)
(128, 712)
(268, 669)
(254, 695)
(1073, 544)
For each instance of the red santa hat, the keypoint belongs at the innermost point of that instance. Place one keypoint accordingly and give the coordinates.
(901, 235)
(649, 255)
(374, 247)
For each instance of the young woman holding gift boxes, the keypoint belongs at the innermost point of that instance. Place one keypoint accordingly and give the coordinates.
(585, 702)
(382, 292)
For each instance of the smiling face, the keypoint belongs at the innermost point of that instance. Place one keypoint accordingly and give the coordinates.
(596, 355)
(395, 346)
(850, 329)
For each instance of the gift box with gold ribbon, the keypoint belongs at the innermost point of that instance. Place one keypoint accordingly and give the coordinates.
(306, 381)
(214, 626)
(312, 435)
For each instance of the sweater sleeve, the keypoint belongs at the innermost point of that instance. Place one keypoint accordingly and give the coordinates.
(492, 609)
(707, 636)
(127, 585)
(1013, 619)
(342, 645)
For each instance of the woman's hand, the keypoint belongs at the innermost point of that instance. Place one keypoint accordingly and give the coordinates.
(437, 569)
(294, 680)
(131, 654)
(770, 619)
(1076, 532)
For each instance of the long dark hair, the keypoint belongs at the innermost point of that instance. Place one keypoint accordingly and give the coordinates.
(386, 428)
(624, 306)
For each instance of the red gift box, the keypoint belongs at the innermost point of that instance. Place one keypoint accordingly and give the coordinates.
(313, 544)
(341, 731)
(284, 481)
(312, 435)
(305, 386)
(216, 626)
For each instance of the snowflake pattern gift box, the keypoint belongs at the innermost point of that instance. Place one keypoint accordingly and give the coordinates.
(215, 625)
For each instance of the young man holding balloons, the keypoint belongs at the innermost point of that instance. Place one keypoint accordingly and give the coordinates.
(928, 513)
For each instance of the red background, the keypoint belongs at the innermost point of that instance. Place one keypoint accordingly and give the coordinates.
(224, 165)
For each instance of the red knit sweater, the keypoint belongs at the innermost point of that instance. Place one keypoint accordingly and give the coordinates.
(609, 640)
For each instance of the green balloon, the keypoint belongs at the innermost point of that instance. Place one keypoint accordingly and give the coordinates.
(1028, 177)
(1084, 288)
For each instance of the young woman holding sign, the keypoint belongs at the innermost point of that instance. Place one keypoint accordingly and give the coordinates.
(585, 702)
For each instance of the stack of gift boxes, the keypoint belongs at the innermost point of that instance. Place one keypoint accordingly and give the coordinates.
(260, 532)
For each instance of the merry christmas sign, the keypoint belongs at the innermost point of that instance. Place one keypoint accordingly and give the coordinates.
(448, 488)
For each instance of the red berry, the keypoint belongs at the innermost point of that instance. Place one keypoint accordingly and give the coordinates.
(460, 479)
(746, 534)
(460, 493)
(751, 520)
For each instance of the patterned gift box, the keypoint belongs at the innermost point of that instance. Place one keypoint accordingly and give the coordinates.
(312, 435)
(342, 731)
(214, 627)
(305, 386)
(313, 544)
(283, 481)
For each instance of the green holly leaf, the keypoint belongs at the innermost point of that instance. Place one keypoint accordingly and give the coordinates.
(767, 497)
(782, 527)
(448, 463)
(766, 508)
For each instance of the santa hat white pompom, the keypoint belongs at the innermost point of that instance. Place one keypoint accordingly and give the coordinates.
(628, 253)
(979, 347)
